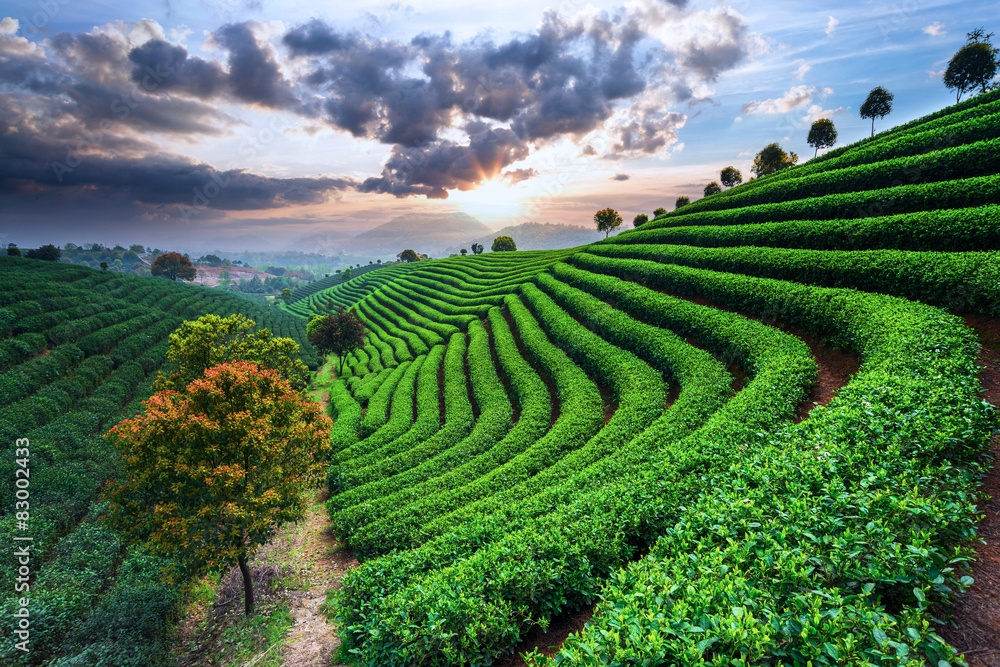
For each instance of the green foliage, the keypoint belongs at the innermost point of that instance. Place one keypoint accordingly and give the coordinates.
(878, 104)
(974, 65)
(730, 177)
(46, 253)
(339, 333)
(772, 158)
(681, 201)
(607, 220)
(408, 255)
(503, 244)
(640, 220)
(212, 340)
(658, 212)
(712, 188)
(13, 251)
(822, 134)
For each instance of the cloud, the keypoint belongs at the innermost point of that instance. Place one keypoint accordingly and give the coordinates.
(815, 112)
(446, 165)
(12, 45)
(802, 69)
(831, 26)
(254, 73)
(515, 176)
(796, 98)
(620, 177)
(935, 29)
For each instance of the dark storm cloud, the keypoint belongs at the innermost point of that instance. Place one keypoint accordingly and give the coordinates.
(433, 170)
(81, 114)
(620, 177)
(254, 73)
(169, 65)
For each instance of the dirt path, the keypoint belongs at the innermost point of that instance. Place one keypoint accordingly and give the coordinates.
(318, 563)
(975, 629)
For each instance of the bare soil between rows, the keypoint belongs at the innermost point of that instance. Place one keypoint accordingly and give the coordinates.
(974, 628)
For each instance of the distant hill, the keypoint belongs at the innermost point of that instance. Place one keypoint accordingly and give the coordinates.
(536, 236)
(427, 234)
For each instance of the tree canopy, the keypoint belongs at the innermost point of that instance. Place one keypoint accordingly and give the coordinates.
(408, 255)
(607, 220)
(503, 244)
(640, 220)
(822, 134)
(772, 158)
(973, 66)
(731, 177)
(877, 105)
(208, 474)
(212, 340)
(48, 253)
(660, 211)
(681, 201)
(338, 333)
(712, 188)
(173, 265)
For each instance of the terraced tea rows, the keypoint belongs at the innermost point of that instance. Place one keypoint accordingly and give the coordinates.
(79, 351)
(632, 422)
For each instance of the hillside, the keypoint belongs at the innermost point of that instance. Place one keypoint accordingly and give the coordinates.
(536, 236)
(751, 430)
(427, 234)
(79, 350)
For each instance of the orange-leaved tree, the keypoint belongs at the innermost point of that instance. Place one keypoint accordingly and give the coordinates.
(208, 474)
(173, 265)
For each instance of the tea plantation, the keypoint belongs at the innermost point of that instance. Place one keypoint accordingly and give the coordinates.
(628, 424)
(528, 433)
(80, 349)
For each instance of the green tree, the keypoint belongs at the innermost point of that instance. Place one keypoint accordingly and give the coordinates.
(477, 248)
(772, 158)
(822, 134)
(286, 295)
(731, 177)
(877, 105)
(464, 251)
(346, 275)
(211, 260)
(640, 220)
(973, 66)
(607, 220)
(212, 340)
(503, 244)
(712, 188)
(660, 211)
(173, 265)
(339, 333)
(13, 251)
(137, 249)
(47, 253)
(104, 266)
(681, 201)
(408, 255)
(208, 475)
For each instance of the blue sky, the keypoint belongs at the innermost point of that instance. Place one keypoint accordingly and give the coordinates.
(285, 119)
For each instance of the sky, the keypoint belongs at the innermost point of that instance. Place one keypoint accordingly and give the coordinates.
(262, 124)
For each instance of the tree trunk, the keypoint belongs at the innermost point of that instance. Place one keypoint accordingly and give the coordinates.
(247, 585)
(873, 126)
